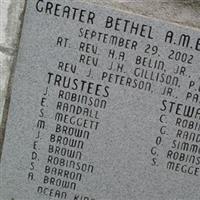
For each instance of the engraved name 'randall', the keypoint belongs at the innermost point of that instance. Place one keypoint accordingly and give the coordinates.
(78, 110)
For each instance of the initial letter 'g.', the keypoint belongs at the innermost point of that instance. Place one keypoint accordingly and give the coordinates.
(38, 7)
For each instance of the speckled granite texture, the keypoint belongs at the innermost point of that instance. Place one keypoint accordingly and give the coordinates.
(186, 12)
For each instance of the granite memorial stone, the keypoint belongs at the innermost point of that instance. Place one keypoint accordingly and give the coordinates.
(105, 105)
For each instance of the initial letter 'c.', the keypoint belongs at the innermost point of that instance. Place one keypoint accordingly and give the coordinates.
(38, 8)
